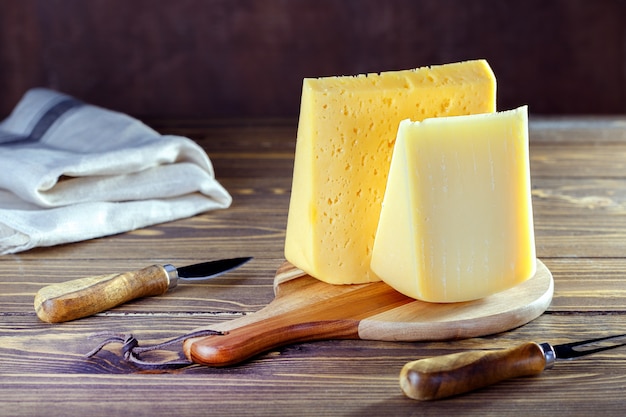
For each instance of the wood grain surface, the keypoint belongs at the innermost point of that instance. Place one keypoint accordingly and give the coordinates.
(578, 170)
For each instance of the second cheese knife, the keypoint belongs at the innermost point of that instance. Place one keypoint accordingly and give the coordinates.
(86, 296)
(458, 373)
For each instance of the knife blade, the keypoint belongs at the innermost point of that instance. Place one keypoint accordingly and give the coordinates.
(84, 297)
(448, 375)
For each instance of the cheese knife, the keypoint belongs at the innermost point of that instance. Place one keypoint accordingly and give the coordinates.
(86, 296)
(444, 376)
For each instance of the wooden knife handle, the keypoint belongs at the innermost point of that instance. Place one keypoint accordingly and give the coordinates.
(86, 296)
(448, 375)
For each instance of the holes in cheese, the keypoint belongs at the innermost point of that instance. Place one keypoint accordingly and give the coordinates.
(456, 222)
(346, 134)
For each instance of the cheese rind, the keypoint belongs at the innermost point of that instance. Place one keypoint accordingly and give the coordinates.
(346, 134)
(457, 223)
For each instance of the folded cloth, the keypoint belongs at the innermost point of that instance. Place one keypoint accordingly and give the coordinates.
(70, 171)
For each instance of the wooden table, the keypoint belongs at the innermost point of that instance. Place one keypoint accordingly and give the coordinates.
(579, 191)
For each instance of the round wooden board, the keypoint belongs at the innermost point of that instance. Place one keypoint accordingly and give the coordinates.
(421, 321)
(307, 309)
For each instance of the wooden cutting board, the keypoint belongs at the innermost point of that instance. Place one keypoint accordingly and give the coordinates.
(307, 309)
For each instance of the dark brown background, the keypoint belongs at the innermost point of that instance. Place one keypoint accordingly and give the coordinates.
(247, 58)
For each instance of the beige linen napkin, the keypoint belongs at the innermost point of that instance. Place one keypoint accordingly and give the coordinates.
(70, 171)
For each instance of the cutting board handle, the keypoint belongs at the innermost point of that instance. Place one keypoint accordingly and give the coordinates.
(245, 342)
(304, 309)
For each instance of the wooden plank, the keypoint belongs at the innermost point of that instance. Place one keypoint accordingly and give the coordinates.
(581, 284)
(579, 217)
(567, 130)
(245, 289)
(566, 212)
(352, 376)
(578, 160)
(588, 285)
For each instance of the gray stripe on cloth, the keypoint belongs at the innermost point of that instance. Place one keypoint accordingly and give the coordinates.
(42, 125)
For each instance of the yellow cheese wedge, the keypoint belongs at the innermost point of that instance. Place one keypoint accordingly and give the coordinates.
(345, 139)
(457, 222)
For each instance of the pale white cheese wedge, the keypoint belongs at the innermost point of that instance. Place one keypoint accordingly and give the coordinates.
(456, 222)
